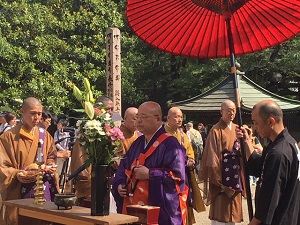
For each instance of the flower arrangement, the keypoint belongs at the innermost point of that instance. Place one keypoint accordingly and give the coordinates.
(98, 134)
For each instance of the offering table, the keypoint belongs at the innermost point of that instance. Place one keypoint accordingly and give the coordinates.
(76, 215)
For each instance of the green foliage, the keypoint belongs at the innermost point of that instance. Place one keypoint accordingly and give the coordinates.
(46, 44)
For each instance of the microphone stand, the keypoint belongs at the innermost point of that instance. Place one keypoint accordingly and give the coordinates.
(62, 176)
(60, 140)
(64, 171)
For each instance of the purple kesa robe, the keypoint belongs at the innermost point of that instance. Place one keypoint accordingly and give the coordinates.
(162, 191)
(231, 169)
(28, 189)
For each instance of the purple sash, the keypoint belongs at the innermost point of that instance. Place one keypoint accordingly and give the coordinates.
(28, 189)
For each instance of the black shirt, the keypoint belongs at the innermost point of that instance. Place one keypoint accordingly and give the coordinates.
(277, 199)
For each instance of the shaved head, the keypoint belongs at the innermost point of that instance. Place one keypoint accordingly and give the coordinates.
(149, 118)
(130, 118)
(267, 118)
(228, 111)
(269, 108)
(31, 112)
(173, 110)
(103, 99)
(30, 101)
(130, 111)
(227, 103)
(175, 118)
(107, 103)
(152, 107)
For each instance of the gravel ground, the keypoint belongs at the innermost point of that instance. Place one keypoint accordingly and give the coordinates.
(202, 218)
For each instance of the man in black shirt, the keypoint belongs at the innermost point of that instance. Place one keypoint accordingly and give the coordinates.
(277, 199)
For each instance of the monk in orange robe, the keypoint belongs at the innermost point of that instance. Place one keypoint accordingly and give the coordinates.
(18, 151)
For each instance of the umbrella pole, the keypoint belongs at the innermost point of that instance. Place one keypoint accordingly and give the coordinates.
(239, 115)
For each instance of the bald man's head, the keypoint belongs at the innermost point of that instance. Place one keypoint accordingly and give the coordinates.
(269, 108)
(175, 118)
(130, 118)
(228, 111)
(267, 118)
(149, 118)
(30, 101)
(31, 112)
(152, 107)
(227, 103)
(107, 103)
(130, 111)
(174, 110)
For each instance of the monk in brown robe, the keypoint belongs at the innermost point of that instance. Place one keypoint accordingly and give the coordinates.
(18, 148)
(221, 170)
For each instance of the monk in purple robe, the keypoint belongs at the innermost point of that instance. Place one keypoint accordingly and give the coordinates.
(167, 158)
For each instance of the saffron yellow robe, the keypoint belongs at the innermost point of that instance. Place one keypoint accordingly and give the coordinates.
(129, 138)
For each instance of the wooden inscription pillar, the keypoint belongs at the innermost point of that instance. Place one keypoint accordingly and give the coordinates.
(113, 67)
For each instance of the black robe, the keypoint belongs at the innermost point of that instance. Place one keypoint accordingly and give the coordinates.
(277, 199)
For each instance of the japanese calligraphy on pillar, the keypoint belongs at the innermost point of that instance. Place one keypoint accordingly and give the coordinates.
(113, 66)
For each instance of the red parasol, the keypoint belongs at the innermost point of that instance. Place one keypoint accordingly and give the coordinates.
(196, 28)
(215, 28)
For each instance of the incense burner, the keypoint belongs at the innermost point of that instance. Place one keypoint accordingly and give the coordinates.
(65, 200)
